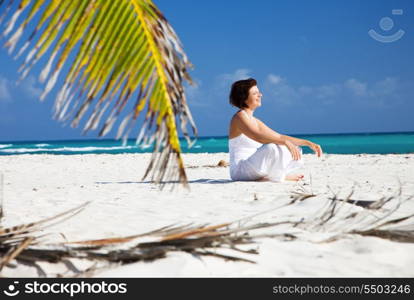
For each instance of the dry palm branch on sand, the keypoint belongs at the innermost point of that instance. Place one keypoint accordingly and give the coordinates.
(374, 218)
(24, 244)
(115, 54)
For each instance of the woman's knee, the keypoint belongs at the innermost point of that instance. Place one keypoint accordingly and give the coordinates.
(270, 148)
(270, 151)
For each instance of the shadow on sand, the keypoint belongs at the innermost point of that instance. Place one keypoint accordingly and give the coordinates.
(203, 181)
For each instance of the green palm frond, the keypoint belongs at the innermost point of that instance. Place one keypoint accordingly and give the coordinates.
(116, 52)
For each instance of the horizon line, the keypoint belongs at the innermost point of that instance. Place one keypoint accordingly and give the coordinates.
(204, 137)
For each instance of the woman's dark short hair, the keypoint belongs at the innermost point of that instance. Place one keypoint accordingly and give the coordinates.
(240, 92)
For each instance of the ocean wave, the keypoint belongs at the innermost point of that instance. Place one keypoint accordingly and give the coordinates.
(42, 145)
(5, 146)
(21, 150)
(78, 149)
(65, 149)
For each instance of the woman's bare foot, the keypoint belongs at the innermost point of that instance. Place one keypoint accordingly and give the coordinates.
(294, 177)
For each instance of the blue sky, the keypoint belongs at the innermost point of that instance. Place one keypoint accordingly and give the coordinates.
(317, 67)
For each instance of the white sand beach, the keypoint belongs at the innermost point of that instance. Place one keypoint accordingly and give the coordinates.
(40, 186)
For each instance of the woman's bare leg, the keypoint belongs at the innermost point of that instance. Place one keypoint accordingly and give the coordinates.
(294, 177)
(290, 177)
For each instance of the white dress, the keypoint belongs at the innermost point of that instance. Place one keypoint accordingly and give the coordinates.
(251, 160)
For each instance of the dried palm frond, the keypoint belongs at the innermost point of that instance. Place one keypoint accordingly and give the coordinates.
(22, 243)
(14, 240)
(402, 236)
(151, 245)
(371, 220)
(302, 193)
(115, 52)
(340, 217)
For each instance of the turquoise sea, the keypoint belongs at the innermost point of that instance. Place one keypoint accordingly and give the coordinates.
(348, 143)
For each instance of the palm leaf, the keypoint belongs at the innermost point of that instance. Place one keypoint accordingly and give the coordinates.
(114, 52)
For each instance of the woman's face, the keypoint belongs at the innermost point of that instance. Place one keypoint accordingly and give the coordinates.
(255, 98)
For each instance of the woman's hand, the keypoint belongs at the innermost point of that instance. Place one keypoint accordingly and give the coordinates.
(294, 150)
(316, 148)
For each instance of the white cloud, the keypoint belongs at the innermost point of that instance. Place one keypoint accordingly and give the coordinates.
(383, 88)
(284, 93)
(280, 91)
(386, 87)
(225, 80)
(29, 87)
(9, 89)
(221, 85)
(194, 93)
(192, 90)
(5, 95)
(212, 94)
(274, 79)
(328, 91)
(305, 90)
(357, 87)
(277, 89)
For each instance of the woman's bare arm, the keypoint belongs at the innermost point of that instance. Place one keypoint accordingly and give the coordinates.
(296, 141)
(257, 132)
(264, 134)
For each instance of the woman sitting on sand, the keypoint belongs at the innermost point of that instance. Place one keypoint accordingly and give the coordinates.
(256, 151)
